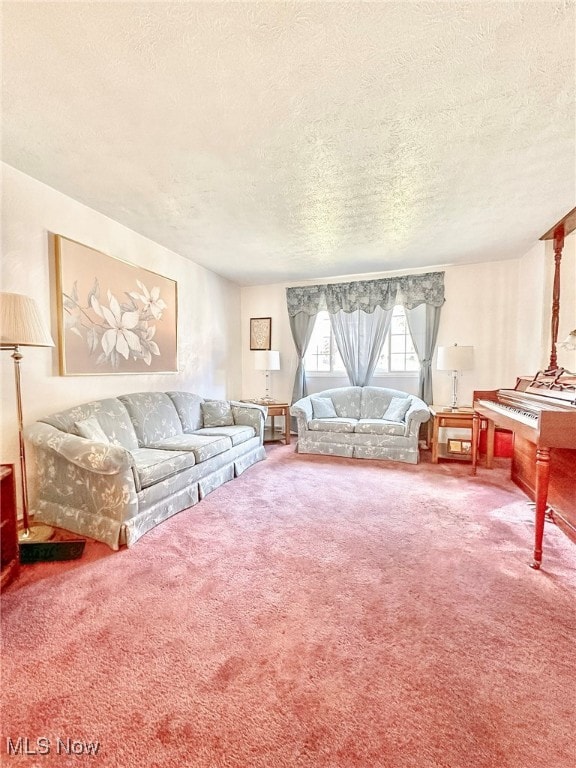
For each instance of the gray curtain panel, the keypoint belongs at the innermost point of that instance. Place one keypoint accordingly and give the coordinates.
(304, 303)
(423, 323)
(359, 337)
(301, 326)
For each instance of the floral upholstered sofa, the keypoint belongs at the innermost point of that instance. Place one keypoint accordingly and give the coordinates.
(113, 469)
(361, 422)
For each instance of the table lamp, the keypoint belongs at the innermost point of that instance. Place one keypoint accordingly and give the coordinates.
(455, 359)
(267, 360)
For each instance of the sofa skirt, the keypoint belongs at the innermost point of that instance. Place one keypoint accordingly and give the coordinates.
(401, 450)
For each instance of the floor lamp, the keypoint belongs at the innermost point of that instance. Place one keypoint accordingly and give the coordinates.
(21, 325)
(455, 359)
(267, 360)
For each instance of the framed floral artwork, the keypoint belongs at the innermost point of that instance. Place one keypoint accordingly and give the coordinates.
(260, 333)
(113, 317)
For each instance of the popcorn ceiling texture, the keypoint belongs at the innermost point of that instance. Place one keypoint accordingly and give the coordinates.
(280, 141)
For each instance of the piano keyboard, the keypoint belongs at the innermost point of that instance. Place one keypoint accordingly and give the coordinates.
(525, 417)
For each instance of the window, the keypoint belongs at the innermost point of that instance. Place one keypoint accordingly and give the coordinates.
(322, 355)
(398, 353)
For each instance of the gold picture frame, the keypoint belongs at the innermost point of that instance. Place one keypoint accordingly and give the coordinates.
(459, 447)
(113, 317)
(260, 333)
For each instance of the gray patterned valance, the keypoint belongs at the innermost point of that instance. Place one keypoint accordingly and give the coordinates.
(308, 298)
(406, 290)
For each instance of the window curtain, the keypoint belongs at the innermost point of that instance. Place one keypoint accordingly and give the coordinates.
(360, 313)
(359, 337)
(422, 297)
(423, 323)
(303, 307)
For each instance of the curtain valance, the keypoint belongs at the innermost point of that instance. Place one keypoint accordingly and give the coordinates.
(407, 290)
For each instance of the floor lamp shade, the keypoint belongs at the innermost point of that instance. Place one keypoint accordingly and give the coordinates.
(21, 325)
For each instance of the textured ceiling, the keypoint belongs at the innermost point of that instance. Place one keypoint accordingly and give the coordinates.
(275, 141)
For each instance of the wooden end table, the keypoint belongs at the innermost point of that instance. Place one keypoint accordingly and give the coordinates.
(276, 409)
(440, 418)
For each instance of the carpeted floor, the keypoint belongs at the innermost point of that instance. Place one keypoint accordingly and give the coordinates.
(314, 613)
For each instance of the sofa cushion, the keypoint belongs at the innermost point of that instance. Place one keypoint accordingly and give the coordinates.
(347, 401)
(323, 407)
(188, 408)
(154, 465)
(111, 415)
(398, 408)
(379, 427)
(237, 433)
(332, 425)
(91, 430)
(375, 401)
(217, 413)
(153, 415)
(202, 446)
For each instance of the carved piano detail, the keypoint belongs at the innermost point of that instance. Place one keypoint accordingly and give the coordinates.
(541, 412)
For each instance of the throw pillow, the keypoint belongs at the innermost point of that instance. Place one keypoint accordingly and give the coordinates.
(323, 408)
(217, 413)
(91, 429)
(397, 409)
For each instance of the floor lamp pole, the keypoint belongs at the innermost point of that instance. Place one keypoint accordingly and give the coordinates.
(39, 531)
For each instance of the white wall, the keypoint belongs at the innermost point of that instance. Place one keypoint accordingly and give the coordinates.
(209, 360)
(534, 308)
(481, 310)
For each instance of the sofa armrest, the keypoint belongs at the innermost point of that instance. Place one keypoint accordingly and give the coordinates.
(302, 410)
(76, 476)
(101, 458)
(417, 414)
(250, 415)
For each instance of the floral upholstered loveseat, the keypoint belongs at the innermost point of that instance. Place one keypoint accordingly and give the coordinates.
(113, 469)
(361, 422)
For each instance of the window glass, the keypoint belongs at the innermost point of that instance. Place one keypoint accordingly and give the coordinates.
(398, 353)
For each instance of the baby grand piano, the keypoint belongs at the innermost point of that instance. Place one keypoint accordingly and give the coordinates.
(541, 412)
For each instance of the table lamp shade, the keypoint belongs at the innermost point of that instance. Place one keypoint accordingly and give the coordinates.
(267, 360)
(21, 324)
(455, 358)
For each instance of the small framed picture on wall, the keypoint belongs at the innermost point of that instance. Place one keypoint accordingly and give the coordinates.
(260, 333)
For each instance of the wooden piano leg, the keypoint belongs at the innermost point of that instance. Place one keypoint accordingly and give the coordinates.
(490, 431)
(475, 440)
(542, 480)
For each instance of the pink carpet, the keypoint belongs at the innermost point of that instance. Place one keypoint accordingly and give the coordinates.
(317, 613)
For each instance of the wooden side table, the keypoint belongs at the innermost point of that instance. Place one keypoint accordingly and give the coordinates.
(441, 419)
(10, 559)
(276, 409)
